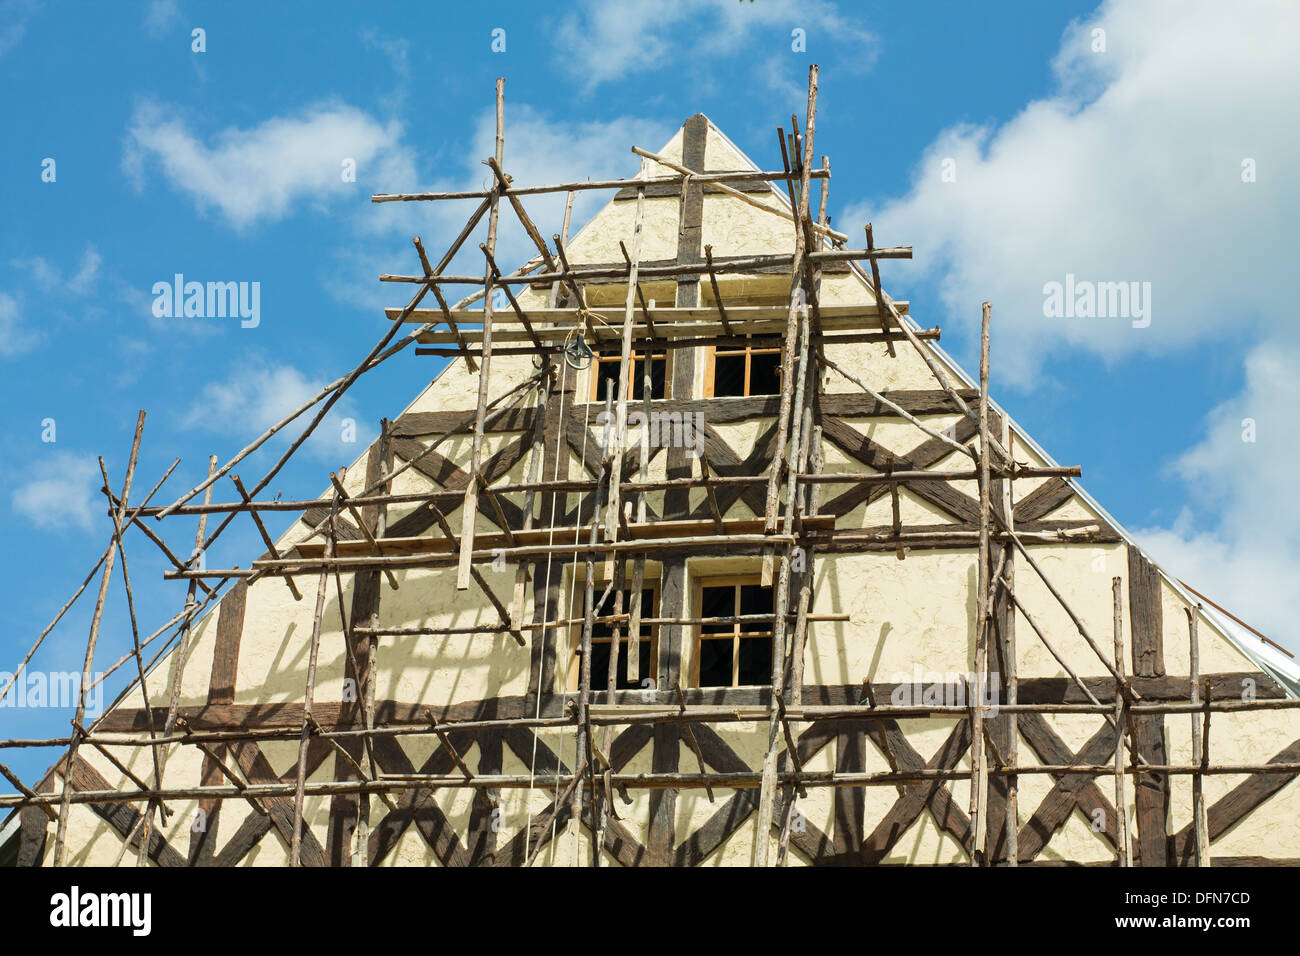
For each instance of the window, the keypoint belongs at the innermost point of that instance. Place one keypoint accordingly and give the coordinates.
(738, 654)
(602, 641)
(744, 371)
(606, 367)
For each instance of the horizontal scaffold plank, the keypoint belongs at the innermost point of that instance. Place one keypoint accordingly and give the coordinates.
(716, 411)
(440, 552)
(243, 718)
(555, 324)
(635, 532)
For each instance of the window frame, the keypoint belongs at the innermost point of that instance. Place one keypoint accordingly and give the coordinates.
(749, 351)
(736, 580)
(649, 632)
(593, 388)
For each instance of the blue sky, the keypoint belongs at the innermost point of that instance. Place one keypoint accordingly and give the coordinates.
(1119, 163)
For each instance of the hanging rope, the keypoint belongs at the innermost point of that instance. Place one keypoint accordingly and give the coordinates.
(559, 447)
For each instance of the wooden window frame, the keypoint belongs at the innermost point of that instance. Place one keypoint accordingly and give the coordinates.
(697, 597)
(649, 632)
(593, 389)
(749, 351)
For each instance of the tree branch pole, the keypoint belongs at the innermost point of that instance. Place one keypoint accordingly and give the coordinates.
(469, 510)
(1200, 819)
(735, 193)
(979, 757)
(61, 831)
(295, 846)
(738, 175)
(182, 652)
(135, 512)
(790, 522)
(1125, 853)
(334, 391)
(118, 530)
(780, 599)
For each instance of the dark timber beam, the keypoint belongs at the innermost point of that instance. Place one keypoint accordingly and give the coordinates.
(673, 589)
(1152, 790)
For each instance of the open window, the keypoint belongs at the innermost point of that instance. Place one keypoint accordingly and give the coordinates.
(734, 653)
(743, 370)
(602, 640)
(606, 367)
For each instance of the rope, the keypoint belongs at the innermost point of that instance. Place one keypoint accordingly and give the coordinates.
(573, 585)
(587, 314)
(559, 443)
(532, 764)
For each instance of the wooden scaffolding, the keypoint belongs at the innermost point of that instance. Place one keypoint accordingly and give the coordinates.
(611, 527)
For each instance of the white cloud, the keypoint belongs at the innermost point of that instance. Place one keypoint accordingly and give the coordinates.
(599, 42)
(249, 175)
(258, 174)
(160, 16)
(138, 303)
(258, 392)
(1131, 171)
(1254, 581)
(397, 52)
(78, 295)
(15, 338)
(539, 149)
(60, 491)
(1239, 541)
(787, 78)
(14, 15)
(50, 278)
